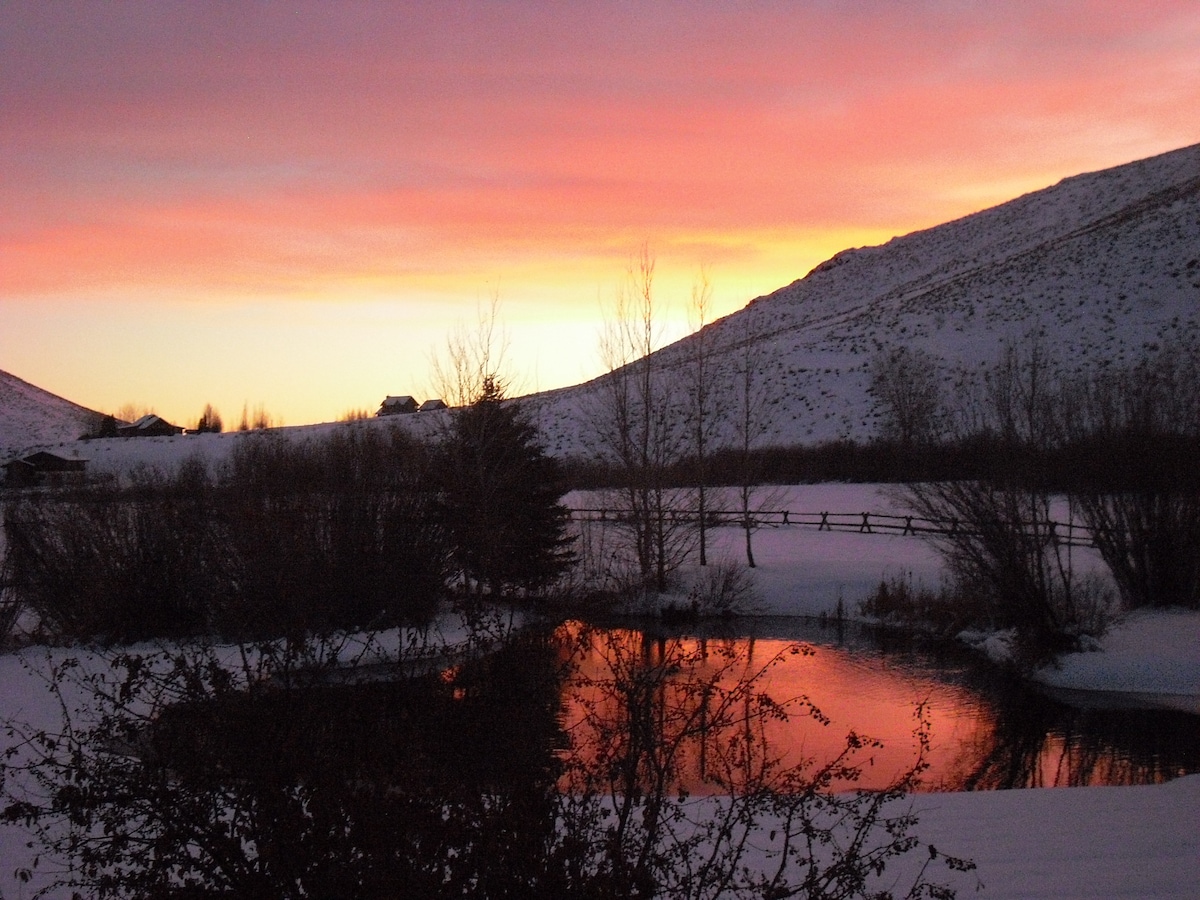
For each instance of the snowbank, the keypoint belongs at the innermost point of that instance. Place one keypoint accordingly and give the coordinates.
(801, 571)
(1152, 657)
(1072, 842)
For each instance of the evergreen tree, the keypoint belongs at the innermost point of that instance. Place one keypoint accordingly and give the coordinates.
(108, 427)
(210, 421)
(499, 499)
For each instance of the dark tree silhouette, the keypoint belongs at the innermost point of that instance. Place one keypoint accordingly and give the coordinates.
(210, 421)
(107, 427)
(499, 498)
(905, 384)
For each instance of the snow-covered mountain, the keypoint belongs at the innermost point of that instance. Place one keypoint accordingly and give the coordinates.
(30, 415)
(1097, 267)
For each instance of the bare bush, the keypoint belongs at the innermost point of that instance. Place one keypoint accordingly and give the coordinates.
(286, 537)
(1119, 444)
(725, 588)
(1140, 493)
(1003, 543)
(273, 771)
(663, 719)
(904, 382)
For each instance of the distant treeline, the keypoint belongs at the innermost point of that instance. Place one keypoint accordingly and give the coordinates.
(1115, 462)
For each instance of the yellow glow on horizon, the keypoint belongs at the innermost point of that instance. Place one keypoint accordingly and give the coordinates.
(374, 333)
(294, 210)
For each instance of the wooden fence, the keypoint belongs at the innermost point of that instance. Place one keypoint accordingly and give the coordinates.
(1071, 534)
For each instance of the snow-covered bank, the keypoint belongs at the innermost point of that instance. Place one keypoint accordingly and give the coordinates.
(1072, 842)
(1152, 657)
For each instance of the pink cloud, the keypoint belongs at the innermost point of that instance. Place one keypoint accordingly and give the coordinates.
(161, 141)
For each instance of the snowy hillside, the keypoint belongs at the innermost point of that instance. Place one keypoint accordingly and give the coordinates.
(29, 415)
(1097, 266)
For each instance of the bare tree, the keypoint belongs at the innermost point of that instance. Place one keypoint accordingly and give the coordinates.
(210, 421)
(1140, 493)
(1003, 546)
(702, 419)
(654, 714)
(750, 426)
(263, 419)
(639, 431)
(1003, 543)
(1020, 393)
(905, 384)
(258, 419)
(474, 359)
(131, 412)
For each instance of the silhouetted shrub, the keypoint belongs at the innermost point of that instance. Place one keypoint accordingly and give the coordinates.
(117, 564)
(275, 772)
(287, 537)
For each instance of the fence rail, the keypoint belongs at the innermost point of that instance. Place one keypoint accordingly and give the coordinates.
(1071, 534)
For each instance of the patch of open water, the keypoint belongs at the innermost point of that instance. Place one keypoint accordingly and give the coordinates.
(987, 729)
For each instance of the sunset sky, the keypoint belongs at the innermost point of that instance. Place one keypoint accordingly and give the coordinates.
(292, 204)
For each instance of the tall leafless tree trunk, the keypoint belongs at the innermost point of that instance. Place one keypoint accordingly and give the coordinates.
(750, 426)
(702, 419)
(639, 430)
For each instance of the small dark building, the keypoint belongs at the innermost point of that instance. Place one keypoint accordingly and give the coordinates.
(43, 467)
(396, 406)
(432, 405)
(149, 426)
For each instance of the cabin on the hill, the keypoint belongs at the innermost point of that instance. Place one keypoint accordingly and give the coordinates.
(149, 426)
(43, 467)
(432, 405)
(396, 406)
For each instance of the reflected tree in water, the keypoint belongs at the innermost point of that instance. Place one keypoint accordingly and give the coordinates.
(1036, 742)
(685, 796)
(282, 769)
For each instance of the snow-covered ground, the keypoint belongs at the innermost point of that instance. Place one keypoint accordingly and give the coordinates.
(1067, 842)
(1101, 842)
(803, 571)
(1150, 658)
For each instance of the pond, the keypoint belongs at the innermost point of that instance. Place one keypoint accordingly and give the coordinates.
(986, 729)
(508, 767)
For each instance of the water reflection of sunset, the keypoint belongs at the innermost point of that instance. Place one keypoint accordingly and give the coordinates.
(977, 740)
(870, 701)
